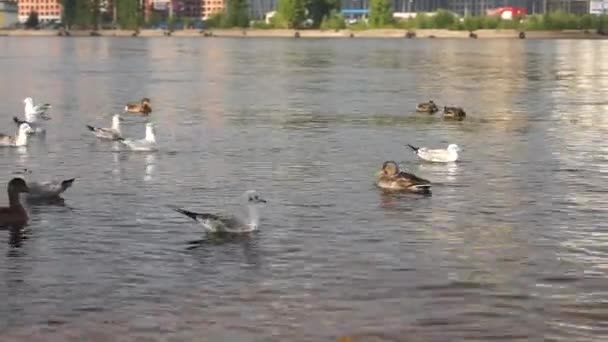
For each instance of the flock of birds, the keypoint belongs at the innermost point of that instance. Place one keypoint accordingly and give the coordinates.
(35, 115)
(390, 177)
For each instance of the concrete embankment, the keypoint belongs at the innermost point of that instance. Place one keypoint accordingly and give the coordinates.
(280, 33)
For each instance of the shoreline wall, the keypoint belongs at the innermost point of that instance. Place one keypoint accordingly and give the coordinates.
(285, 33)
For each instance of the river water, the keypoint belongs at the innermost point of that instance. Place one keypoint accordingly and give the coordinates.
(512, 244)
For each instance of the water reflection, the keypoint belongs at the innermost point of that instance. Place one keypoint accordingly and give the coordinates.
(511, 234)
(150, 166)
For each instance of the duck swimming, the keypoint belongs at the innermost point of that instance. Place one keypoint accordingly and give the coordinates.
(427, 107)
(391, 178)
(143, 107)
(14, 215)
(16, 141)
(454, 113)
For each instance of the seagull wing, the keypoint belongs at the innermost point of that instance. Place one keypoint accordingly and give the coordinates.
(213, 223)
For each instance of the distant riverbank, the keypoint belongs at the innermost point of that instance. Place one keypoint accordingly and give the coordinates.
(282, 33)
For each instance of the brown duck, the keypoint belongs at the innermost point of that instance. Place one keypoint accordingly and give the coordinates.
(427, 107)
(391, 178)
(141, 108)
(14, 215)
(454, 113)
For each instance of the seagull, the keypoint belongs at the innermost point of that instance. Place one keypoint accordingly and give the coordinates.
(438, 155)
(146, 144)
(213, 223)
(391, 178)
(34, 116)
(112, 133)
(16, 141)
(32, 112)
(46, 189)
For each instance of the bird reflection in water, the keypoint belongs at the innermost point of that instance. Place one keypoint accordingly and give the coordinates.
(227, 246)
(450, 170)
(150, 160)
(395, 199)
(22, 154)
(16, 236)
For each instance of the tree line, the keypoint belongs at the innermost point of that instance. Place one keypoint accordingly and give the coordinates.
(93, 13)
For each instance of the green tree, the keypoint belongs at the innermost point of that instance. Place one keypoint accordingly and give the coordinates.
(380, 13)
(69, 12)
(83, 14)
(291, 13)
(237, 13)
(32, 20)
(320, 9)
(128, 13)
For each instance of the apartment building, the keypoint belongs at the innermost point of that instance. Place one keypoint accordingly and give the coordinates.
(48, 10)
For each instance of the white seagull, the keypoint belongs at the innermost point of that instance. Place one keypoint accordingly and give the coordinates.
(146, 144)
(112, 133)
(213, 223)
(16, 141)
(438, 155)
(34, 115)
(46, 189)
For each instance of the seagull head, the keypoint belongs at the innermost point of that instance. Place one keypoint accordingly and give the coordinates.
(453, 148)
(28, 100)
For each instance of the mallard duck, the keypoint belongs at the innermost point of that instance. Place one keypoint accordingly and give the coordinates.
(213, 223)
(146, 144)
(437, 155)
(454, 113)
(143, 107)
(112, 133)
(14, 215)
(391, 178)
(427, 107)
(18, 140)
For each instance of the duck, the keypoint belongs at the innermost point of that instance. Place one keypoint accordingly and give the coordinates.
(14, 215)
(391, 178)
(437, 155)
(143, 107)
(18, 140)
(454, 113)
(146, 144)
(230, 224)
(427, 107)
(112, 133)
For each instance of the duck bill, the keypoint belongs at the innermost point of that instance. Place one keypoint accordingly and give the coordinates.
(260, 200)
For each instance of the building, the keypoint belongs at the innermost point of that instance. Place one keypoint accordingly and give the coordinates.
(48, 10)
(8, 14)
(187, 8)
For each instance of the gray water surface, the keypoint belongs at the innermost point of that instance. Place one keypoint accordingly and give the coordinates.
(512, 244)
